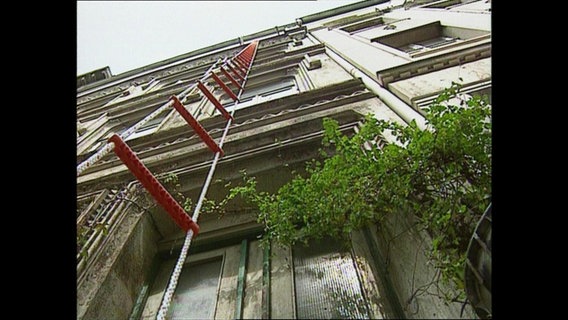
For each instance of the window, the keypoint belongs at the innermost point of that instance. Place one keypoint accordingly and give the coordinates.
(427, 44)
(327, 283)
(422, 38)
(148, 128)
(207, 280)
(263, 91)
(270, 88)
(430, 38)
(196, 293)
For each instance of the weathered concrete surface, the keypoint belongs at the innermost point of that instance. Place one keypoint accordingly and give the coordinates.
(381, 111)
(227, 291)
(116, 279)
(157, 290)
(404, 250)
(412, 89)
(252, 306)
(372, 287)
(329, 73)
(281, 284)
(226, 302)
(367, 55)
(113, 300)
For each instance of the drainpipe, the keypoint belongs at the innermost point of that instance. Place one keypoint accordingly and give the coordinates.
(394, 103)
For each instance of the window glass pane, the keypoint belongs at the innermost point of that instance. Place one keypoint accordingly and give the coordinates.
(326, 282)
(148, 127)
(264, 90)
(196, 292)
(269, 88)
(437, 42)
(411, 48)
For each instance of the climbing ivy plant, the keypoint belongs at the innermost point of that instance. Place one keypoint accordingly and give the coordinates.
(442, 175)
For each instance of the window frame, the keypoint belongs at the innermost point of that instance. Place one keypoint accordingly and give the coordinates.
(149, 127)
(263, 94)
(433, 31)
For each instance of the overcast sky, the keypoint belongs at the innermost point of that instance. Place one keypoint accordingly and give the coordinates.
(125, 35)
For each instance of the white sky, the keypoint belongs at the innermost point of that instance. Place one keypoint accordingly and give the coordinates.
(125, 35)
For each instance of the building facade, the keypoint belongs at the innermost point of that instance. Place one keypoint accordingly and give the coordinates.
(388, 58)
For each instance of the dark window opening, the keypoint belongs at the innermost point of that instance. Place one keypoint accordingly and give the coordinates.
(264, 89)
(429, 36)
(427, 44)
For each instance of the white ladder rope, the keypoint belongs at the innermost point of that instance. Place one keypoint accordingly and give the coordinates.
(109, 146)
(172, 284)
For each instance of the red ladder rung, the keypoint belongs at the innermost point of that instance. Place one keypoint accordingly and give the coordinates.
(196, 126)
(246, 56)
(150, 183)
(230, 77)
(235, 72)
(224, 87)
(242, 60)
(214, 100)
(241, 65)
(238, 67)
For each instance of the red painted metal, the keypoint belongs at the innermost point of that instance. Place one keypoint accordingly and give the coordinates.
(224, 86)
(244, 63)
(235, 72)
(239, 63)
(214, 100)
(150, 183)
(243, 67)
(230, 77)
(196, 126)
(239, 67)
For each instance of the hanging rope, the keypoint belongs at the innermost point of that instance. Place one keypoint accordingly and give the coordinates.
(187, 243)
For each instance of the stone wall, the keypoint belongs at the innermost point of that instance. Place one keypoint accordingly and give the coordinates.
(404, 251)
